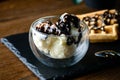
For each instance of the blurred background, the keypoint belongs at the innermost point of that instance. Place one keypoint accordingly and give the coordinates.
(21, 13)
(13, 9)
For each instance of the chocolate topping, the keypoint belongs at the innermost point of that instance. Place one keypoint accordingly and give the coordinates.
(108, 16)
(70, 40)
(105, 19)
(62, 26)
(68, 21)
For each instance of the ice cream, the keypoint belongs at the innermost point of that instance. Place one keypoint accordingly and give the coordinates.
(58, 39)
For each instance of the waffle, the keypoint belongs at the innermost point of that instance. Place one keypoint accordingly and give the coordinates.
(104, 29)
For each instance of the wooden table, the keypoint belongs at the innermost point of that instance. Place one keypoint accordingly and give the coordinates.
(16, 17)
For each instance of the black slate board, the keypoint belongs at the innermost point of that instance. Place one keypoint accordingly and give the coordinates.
(19, 45)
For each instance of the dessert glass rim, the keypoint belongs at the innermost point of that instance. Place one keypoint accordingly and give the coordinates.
(42, 19)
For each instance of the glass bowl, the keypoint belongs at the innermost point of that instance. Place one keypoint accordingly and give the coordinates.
(74, 54)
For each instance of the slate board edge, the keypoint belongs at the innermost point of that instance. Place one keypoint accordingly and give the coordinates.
(17, 53)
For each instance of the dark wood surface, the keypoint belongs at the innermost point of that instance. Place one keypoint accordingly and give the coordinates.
(16, 17)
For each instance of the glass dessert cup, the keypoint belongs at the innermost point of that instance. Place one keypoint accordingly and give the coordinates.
(73, 54)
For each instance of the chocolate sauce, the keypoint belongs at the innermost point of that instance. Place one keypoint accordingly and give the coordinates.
(65, 26)
(40, 29)
(62, 26)
(70, 40)
(105, 19)
(108, 16)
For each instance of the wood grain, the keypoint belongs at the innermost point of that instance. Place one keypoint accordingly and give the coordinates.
(16, 17)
